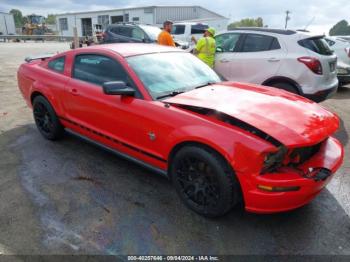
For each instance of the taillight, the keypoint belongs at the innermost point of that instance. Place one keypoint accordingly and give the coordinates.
(312, 63)
(347, 51)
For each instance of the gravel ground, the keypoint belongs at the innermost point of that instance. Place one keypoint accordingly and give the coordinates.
(70, 197)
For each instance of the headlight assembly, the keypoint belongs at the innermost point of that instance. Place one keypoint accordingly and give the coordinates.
(274, 160)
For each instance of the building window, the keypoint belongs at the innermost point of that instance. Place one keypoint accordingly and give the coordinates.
(63, 23)
(148, 10)
(126, 17)
(103, 20)
(136, 19)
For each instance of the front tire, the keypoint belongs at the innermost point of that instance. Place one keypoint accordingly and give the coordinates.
(204, 181)
(46, 119)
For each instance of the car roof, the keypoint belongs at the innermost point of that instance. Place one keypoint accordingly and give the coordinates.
(297, 35)
(190, 23)
(128, 24)
(267, 30)
(133, 49)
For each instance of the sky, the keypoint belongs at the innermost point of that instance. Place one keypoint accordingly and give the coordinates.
(317, 15)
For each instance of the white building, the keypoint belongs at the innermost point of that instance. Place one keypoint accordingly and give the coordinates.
(7, 24)
(153, 15)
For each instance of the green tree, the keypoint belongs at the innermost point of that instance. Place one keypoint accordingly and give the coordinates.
(51, 19)
(18, 17)
(340, 28)
(247, 22)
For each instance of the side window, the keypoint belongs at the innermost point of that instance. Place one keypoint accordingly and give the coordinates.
(125, 31)
(57, 64)
(98, 69)
(178, 30)
(115, 30)
(198, 29)
(137, 33)
(258, 43)
(227, 42)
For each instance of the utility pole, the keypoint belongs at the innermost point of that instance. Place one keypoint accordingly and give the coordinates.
(287, 18)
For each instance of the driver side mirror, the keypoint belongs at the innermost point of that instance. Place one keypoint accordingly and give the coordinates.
(117, 88)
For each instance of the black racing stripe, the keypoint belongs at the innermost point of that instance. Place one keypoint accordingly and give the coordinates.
(114, 140)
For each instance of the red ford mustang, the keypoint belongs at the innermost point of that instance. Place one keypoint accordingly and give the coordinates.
(218, 142)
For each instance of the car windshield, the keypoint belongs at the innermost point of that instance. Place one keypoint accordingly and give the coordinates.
(167, 74)
(151, 31)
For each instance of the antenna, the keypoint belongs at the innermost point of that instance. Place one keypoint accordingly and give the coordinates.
(310, 22)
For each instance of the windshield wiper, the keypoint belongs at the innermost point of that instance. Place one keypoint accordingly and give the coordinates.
(174, 93)
(205, 84)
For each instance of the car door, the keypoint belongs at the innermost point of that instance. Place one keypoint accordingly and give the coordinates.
(111, 119)
(258, 58)
(226, 52)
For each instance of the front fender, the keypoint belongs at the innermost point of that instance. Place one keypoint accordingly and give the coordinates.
(242, 150)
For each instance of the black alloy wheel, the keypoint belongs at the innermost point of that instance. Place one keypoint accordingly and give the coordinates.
(204, 181)
(46, 119)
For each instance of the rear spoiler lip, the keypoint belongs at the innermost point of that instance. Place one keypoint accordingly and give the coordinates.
(37, 57)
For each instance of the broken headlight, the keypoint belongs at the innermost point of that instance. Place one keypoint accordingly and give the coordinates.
(274, 160)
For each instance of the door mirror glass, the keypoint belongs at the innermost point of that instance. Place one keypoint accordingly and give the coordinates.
(117, 88)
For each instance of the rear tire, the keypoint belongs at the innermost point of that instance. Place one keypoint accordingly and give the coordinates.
(46, 119)
(286, 86)
(204, 181)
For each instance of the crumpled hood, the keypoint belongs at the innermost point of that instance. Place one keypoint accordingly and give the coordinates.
(291, 119)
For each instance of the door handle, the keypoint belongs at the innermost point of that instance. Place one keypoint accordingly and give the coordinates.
(273, 59)
(224, 60)
(74, 91)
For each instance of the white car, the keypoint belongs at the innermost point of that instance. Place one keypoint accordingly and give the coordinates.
(183, 32)
(343, 71)
(344, 37)
(295, 61)
(341, 48)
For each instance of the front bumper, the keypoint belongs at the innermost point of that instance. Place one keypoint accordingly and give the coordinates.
(329, 157)
(343, 75)
(344, 79)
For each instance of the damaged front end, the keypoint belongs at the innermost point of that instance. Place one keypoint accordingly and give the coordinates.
(284, 158)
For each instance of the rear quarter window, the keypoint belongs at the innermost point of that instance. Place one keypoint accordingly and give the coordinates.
(317, 45)
(57, 64)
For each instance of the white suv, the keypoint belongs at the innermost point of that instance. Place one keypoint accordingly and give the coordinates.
(295, 61)
(341, 48)
(183, 32)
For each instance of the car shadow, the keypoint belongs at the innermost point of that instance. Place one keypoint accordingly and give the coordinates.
(74, 198)
(343, 93)
(342, 134)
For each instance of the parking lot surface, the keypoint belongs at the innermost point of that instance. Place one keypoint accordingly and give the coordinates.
(70, 197)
